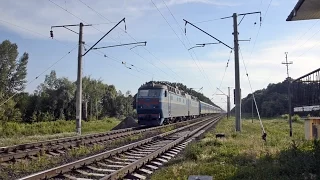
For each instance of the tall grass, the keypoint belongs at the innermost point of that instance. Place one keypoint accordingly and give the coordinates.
(246, 156)
(15, 133)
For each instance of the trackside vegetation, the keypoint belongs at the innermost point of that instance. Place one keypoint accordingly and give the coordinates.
(15, 133)
(246, 156)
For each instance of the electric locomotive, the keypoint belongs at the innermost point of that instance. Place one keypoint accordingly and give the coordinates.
(159, 104)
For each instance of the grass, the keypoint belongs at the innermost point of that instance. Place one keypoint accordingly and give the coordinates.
(167, 129)
(246, 156)
(16, 133)
(42, 162)
(18, 169)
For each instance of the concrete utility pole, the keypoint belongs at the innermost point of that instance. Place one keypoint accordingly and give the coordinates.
(79, 83)
(79, 73)
(237, 74)
(237, 90)
(289, 93)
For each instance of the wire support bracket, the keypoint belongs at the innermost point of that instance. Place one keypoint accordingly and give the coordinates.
(185, 31)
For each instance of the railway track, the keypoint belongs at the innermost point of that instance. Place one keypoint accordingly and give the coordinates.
(58, 147)
(133, 161)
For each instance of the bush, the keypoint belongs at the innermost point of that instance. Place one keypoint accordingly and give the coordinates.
(296, 118)
(192, 152)
(285, 116)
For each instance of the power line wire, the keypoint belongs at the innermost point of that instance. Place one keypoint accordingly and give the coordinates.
(180, 40)
(258, 33)
(225, 70)
(307, 41)
(294, 48)
(263, 19)
(182, 31)
(39, 75)
(32, 31)
(136, 41)
(317, 44)
(39, 34)
(254, 99)
(118, 61)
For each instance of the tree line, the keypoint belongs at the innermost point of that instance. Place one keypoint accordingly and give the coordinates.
(271, 101)
(54, 98)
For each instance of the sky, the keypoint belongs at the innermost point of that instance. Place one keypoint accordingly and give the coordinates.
(166, 56)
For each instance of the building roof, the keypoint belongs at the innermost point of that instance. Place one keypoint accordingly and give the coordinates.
(305, 10)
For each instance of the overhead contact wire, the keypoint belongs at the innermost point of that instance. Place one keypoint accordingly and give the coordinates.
(136, 41)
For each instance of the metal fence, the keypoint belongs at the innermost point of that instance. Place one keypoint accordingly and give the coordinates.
(306, 94)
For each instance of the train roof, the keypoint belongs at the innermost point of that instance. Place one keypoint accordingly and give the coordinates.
(208, 104)
(153, 86)
(176, 90)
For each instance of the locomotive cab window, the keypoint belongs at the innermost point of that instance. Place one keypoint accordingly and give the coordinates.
(149, 93)
(154, 93)
(143, 93)
(165, 93)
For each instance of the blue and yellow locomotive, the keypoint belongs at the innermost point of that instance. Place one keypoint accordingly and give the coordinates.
(159, 104)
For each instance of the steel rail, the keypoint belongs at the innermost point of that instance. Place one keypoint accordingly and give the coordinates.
(31, 149)
(137, 164)
(98, 157)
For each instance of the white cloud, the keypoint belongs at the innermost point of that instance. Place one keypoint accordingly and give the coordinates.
(39, 16)
(263, 67)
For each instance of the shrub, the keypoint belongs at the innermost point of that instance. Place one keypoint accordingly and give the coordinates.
(192, 152)
(296, 118)
(285, 116)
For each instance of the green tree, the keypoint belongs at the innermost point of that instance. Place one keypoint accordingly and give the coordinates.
(56, 98)
(13, 72)
(272, 101)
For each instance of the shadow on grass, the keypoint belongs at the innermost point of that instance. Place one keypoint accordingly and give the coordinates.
(297, 162)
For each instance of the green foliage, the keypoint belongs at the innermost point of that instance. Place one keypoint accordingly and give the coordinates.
(12, 79)
(285, 116)
(246, 156)
(271, 102)
(15, 129)
(296, 118)
(55, 98)
(9, 112)
(192, 152)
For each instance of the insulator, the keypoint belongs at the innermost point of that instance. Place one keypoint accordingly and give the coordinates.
(51, 34)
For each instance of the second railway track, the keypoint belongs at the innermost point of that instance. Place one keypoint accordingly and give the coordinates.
(57, 147)
(133, 161)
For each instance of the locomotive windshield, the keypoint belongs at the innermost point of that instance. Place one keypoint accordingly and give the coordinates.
(150, 93)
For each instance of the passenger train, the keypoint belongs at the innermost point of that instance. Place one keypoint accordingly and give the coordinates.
(159, 104)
